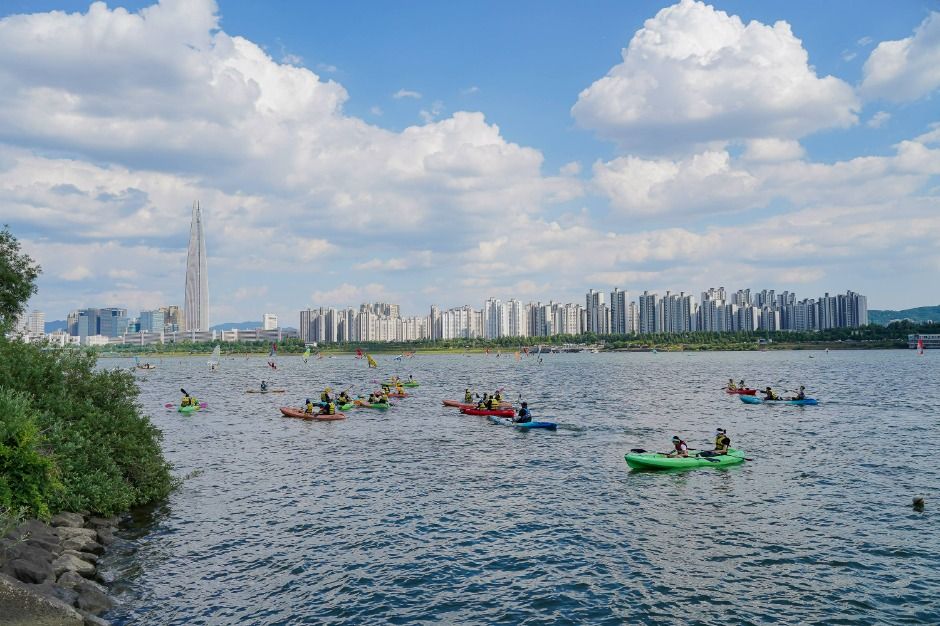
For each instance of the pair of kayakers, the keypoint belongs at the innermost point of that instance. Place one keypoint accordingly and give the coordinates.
(328, 409)
(770, 395)
(722, 444)
(735, 387)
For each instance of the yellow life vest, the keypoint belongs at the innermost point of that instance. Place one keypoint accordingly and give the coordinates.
(722, 442)
(468, 397)
(330, 408)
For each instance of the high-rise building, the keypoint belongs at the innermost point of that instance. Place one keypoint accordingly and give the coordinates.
(269, 321)
(151, 321)
(517, 319)
(649, 310)
(597, 313)
(495, 319)
(619, 302)
(36, 324)
(196, 304)
(112, 322)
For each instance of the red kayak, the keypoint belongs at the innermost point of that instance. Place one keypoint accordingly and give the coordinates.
(290, 411)
(741, 392)
(496, 412)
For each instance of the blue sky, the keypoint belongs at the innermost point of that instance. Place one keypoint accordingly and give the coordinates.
(722, 151)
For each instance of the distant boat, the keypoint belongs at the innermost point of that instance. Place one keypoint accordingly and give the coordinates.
(920, 346)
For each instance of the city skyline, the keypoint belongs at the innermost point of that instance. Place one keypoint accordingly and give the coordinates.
(660, 146)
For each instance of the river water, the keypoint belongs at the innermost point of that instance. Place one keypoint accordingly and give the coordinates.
(424, 515)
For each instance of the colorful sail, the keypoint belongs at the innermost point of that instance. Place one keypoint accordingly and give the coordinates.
(306, 354)
(920, 346)
(372, 362)
(358, 353)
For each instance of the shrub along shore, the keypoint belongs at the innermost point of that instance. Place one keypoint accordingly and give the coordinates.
(72, 438)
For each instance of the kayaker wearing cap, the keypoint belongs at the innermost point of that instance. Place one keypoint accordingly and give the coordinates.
(187, 400)
(731, 385)
(769, 394)
(681, 448)
(722, 441)
(525, 415)
(308, 407)
(325, 396)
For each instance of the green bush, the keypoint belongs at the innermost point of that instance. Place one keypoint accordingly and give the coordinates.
(27, 478)
(107, 454)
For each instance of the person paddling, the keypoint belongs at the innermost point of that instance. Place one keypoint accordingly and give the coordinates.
(187, 400)
(801, 394)
(770, 395)
(468, 396)
(731, 385)
(681, 448)
(722, 441)
(325, 397)
(264, 386)
(525, 416)
(343, 398)
(308, 407)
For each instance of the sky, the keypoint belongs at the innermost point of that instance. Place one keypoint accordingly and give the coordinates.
(443, 153)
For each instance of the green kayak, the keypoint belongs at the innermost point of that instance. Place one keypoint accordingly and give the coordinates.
(375, 405)
(656, 460)
(404, 383)
(186, 410)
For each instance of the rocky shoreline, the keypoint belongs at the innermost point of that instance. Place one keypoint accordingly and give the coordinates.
(49, 573)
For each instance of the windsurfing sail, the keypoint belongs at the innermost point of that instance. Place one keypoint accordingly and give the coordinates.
(358, 353)
(518, 356)
(372, 362)
(920, 346)
(306, 354)
(216, 357)
(273, 350)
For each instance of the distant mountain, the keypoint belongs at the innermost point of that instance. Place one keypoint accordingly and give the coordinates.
(920, 314)
(238, 325)
(56, 325)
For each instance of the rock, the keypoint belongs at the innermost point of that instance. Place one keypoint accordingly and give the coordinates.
(49, 544)
(51, 590)
(22, 606)
(67, 562)
(67, 532)
(82, 544)
(93, 620)
(105, 536)
(34, 529)
(69, 579)
(23, 550)
(91, 599)
(68, 519)
(29, 571)
(101, 522)
(85, 556)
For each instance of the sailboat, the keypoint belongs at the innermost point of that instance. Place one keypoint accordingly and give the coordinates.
(920, 346)
(306, 354)
(215, 359)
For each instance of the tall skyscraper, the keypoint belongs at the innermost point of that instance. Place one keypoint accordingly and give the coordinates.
(196, 306)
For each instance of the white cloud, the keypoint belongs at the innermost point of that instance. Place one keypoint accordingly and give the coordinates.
(346, 295)
(77, 272)
(705, 182)
(429, 115)
(376, 110)
(864, 41)
(406, 93)
(694, 75)
(327, 67)
(905, 69)
(772, 149)
(878, 119)
(572, 168)
(292, 59)
(470, 90)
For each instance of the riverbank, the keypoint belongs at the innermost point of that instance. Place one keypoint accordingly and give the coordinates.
(49, 574)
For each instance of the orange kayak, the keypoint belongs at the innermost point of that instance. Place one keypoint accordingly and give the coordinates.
(290, 411)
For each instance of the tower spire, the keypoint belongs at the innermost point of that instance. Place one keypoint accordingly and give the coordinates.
(196, 305)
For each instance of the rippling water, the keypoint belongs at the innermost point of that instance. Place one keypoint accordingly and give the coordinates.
(424, 515)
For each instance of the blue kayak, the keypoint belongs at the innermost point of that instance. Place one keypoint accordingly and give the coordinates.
(505, 421)
(756, 400)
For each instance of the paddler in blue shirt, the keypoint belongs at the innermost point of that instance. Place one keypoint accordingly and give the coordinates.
(525, 415)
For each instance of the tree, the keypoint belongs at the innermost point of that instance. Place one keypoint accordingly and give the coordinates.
(18, 273)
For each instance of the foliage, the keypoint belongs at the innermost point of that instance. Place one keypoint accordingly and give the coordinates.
(917, 315)
(27, 474)
(107, 454)
(18, 275)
